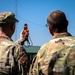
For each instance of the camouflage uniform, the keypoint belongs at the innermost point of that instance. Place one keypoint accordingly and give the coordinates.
(56, 57)
(13, 58)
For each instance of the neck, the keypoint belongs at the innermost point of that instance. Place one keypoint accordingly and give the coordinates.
(3, 34)
(58, 34)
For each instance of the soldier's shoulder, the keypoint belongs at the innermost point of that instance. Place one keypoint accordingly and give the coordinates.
(46, 45)
(7, 42)
(71, 59)
(11, 43)
(43, 48)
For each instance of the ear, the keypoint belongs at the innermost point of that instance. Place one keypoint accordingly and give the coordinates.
(50, 30)
(13, 27)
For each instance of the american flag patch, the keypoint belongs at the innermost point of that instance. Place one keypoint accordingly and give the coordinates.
(23, 59)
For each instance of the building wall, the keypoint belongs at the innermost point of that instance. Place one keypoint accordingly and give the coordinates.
(31, 51)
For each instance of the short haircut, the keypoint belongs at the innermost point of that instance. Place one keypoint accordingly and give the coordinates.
(57, 20)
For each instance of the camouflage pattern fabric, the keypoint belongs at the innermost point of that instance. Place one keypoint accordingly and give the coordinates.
(13, 58)
(7, 17)
(57, 57)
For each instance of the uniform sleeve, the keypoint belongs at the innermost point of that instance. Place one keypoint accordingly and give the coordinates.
(34, 67)
(71, 62)
(22, 58)
(21, 55)
(20, 41)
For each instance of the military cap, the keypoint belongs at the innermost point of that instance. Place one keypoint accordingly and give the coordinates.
(7, 17)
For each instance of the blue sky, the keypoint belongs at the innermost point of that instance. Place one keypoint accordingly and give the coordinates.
(34, 13)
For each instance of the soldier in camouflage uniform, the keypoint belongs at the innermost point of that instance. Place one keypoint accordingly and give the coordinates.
(56, 57)
(13, 58)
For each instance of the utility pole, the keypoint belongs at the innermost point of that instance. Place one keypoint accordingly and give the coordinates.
(16, 16)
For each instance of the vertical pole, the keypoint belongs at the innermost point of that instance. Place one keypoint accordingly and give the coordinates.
(16, 16)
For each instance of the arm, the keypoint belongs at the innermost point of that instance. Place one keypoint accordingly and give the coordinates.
(35, 66)
(22, 58)
(22, 38)
(71, 62)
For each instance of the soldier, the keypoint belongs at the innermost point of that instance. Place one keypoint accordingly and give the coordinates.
(56, 57)
(26, 32)
(13, 57)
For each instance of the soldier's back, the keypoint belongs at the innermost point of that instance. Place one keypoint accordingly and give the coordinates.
(6, 56)
(55, 58)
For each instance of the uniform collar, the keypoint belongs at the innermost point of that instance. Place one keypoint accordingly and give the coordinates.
(62, 35)
(6, 37)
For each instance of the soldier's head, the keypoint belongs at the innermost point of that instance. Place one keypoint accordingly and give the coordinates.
(57, 21)
(25, 26)
(7, 22)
